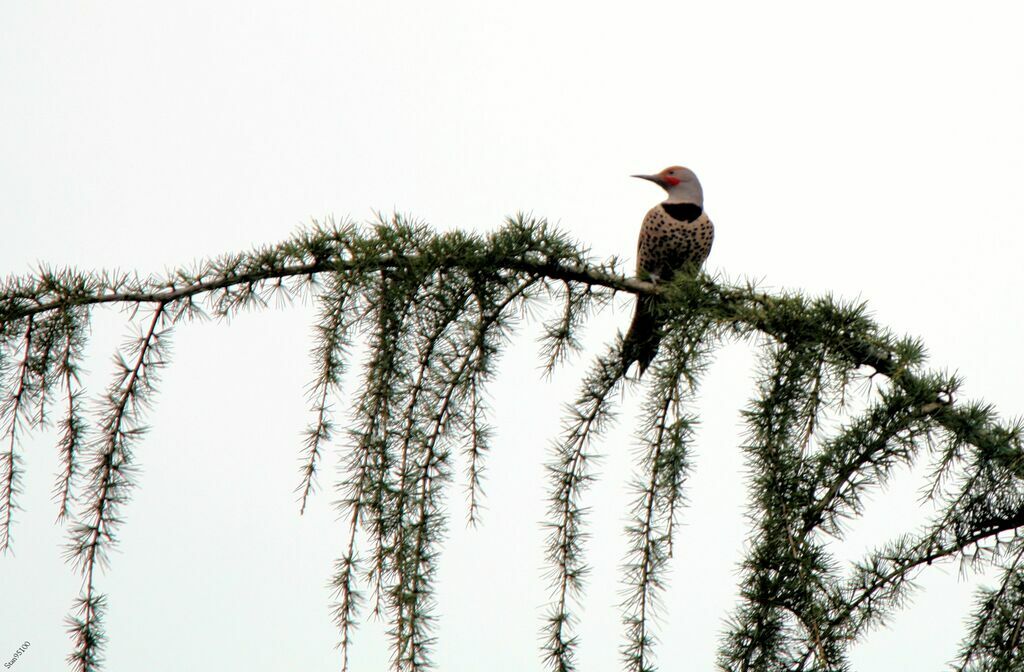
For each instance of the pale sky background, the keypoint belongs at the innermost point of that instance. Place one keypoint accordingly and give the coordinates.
(870, 149)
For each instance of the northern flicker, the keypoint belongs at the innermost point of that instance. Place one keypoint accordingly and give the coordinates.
(676, 236)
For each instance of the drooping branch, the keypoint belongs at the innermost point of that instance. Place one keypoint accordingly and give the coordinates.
(666, 435)
(1000, 613)
(73, 428)
(12, 414)
(329, 354)
(570, 473)
(110, 481)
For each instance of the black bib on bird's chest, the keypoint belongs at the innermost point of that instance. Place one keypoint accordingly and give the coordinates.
(684, 212)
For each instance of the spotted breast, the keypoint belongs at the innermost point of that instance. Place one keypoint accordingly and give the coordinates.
(673, 237)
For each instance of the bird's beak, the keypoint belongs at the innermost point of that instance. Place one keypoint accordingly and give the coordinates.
(651, 178)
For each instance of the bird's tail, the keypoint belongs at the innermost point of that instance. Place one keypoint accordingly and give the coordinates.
(641, 342)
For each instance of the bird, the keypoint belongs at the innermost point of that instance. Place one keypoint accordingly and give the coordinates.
(676, 236)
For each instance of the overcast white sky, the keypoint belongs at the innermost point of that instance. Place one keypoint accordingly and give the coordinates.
(873, 150)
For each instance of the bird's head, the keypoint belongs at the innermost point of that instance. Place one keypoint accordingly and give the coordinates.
(681, 184)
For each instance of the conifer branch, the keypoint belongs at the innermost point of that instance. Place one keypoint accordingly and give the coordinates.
(73, 430)
(666, 435)
(570, 475)
(995, 641)
(110, 481)
(437, 310)
(491, 328)
(329, 355)
(12, 412)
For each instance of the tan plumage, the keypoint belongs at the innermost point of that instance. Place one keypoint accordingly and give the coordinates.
(676, 236)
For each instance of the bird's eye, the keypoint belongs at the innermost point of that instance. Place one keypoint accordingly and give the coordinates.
(671, 172)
